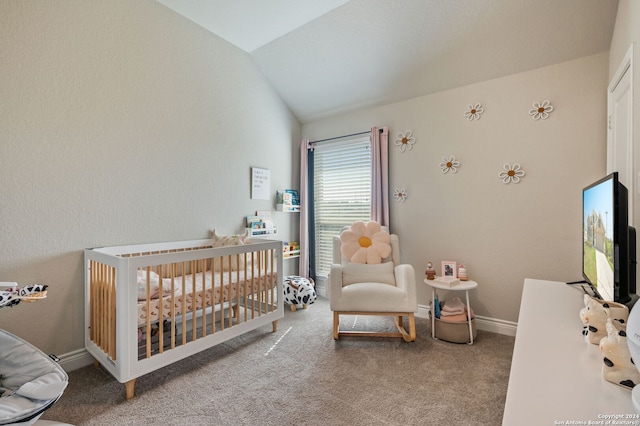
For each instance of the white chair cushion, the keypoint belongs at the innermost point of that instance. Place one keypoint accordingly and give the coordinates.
(382, 273)
(373, 297)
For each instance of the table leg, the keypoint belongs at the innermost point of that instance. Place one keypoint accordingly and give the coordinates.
(469, 318)
(433, 313)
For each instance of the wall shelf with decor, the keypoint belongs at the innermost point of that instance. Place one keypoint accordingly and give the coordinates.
(288, 201)
(287, 208)
(290, 249)
(261, 232)
(291, 255)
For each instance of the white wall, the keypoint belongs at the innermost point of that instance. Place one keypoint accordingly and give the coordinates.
(122, 122)
(503, 233)
(626, 33)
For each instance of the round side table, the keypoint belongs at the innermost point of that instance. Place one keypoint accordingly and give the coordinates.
(461, 286)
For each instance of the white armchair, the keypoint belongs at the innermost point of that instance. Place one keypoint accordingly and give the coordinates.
(385, 289)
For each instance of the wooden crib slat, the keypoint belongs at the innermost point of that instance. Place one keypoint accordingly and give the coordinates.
(194, 334)
(148, 318)
(203, 295)
(184, 305)
(222, 295)
(173, 305)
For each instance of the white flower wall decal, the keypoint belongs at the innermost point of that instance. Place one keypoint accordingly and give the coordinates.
(474, 112)
(405, 141)
(511, 173)
(400, 194)
(541, 110)
(449, 164)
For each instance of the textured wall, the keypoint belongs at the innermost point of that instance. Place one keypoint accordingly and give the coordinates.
(122, 122)
(503, 233)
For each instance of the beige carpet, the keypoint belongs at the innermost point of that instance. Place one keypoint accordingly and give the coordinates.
(300, 375)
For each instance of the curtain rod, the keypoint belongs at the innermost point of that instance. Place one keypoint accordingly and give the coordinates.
(345, 136)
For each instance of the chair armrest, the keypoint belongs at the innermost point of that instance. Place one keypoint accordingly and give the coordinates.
(335, 283)
(406, 279)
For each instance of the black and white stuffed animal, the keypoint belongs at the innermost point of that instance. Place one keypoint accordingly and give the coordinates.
(7, 298)
(298, 292)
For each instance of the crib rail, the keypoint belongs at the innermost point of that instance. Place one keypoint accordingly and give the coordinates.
(186, 295)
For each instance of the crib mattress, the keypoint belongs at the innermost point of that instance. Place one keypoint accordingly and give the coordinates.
(201, 290)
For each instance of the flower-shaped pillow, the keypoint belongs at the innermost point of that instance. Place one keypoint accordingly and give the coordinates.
(365, 243)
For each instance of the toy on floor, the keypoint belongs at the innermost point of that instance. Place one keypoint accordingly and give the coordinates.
(299, 292)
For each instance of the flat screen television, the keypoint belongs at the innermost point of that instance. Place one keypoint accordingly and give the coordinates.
(608, 251)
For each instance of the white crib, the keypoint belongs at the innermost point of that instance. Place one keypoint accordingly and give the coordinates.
(150, 305)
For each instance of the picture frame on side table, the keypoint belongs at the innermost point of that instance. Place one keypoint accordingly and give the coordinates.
(449, 269)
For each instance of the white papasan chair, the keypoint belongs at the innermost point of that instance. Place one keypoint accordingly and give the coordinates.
(367, 279)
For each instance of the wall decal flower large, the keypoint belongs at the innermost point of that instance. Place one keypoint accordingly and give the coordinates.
(541, 110)
(474, 112)
(511, 173)
(405, 141)
(400, 194)
(449, 164)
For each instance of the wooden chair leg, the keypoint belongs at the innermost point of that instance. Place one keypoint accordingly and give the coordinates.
(275, 326)
(412, 327)
(336, 325)
(130, 388)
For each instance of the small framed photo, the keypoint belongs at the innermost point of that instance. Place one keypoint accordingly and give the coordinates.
(449, 269)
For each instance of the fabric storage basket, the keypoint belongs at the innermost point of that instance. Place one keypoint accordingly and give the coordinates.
(455, 332)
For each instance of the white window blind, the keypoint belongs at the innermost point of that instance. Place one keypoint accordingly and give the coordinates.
(342, 192)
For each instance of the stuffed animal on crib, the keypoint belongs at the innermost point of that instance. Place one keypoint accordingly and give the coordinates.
(618, 366)
(594, 317)
(298, 292)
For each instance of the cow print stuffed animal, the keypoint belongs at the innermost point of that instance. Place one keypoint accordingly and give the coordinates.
(594, 317)
(618, 366)
(298, 292)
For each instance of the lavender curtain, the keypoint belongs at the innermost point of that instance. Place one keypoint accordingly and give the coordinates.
(380, 175)
(303, 265)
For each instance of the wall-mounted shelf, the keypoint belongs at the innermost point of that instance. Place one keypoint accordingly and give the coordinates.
(291, 254)
(288, 208)
(261, 232)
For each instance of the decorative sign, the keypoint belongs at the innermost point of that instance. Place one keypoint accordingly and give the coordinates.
(260, 184)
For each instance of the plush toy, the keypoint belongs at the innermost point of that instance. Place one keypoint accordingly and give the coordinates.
(594, 317)
(232, 263)
(618, 366)
(298, 292)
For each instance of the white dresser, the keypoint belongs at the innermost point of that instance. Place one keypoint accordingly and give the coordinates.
(555, 374)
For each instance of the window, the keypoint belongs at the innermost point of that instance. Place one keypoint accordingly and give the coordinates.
(342, 193)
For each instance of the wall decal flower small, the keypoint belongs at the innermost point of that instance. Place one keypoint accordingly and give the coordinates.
(474, 112)
(400, 194)
(449, 163)
(511, 173)
(541, 110)
(405, 141)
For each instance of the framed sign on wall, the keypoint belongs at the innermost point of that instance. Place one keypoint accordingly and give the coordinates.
(260, 183)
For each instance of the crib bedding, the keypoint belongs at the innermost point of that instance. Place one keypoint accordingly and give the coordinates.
(226, 286)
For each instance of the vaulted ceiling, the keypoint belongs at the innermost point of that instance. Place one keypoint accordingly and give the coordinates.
(325, 57)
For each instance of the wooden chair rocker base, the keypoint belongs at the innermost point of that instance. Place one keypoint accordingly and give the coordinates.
(409, 336)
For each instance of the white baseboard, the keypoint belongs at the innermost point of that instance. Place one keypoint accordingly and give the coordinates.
(493, 325)
(75, 360)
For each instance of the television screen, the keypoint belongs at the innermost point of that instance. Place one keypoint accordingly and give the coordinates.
(606, 254)
(598, 252)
